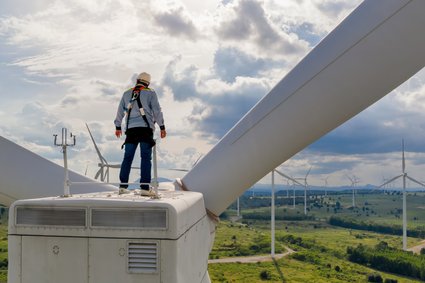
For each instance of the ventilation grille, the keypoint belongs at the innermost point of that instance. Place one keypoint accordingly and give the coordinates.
(110, 218)
(142, 257)
(51, 216)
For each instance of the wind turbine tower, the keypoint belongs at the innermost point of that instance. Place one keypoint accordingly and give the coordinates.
(326, 185)
(354, 181)
(273, 207)
(287, 189)
(404, 176)
(305, 189)
(290, 179)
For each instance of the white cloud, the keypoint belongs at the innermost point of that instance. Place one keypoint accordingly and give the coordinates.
(176, 23)
(321, 16)
(65, 63)
(247, 22)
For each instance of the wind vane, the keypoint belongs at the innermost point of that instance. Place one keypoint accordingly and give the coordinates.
(64, 144)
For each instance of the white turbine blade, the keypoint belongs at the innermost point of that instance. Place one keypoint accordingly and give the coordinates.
(415, 181)
(308, 172)
(24, 174)
(287, 177)
(115, 166)
(403, 162)
(391, 180)
(102, 159)
(325, 180)
(197, 160)
(98, 173)
(102, 174)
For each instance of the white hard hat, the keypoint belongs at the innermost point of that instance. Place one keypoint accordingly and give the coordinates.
(144, 77)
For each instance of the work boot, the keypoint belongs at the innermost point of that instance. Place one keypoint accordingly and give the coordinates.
(123, 191)
(147, 193)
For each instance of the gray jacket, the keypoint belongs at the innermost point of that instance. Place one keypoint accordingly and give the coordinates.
(150, 104)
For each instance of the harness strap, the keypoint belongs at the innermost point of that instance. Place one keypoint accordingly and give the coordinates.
(142, 111)
(136, 96)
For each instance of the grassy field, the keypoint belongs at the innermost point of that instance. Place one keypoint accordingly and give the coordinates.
(3, 253)
(324, 258)
(324, 261)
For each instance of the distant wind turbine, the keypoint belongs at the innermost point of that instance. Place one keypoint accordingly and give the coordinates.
(287, 189)
(272, 250)
(404, 176)
(326, 185)
(305, 189)
(291, 179)
(104, 166)
(354, 181)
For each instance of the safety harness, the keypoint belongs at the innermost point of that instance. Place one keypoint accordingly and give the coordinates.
(135, 95)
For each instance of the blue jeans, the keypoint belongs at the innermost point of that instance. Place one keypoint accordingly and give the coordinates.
(145, 163)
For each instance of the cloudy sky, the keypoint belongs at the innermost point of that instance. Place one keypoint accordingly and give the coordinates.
(66, 63)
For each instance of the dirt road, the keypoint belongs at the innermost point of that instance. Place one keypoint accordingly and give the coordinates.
(417, 249)
(252, 259)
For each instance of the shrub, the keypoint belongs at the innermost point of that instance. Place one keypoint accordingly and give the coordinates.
(299, 256)
(374, 278)
(265, 275)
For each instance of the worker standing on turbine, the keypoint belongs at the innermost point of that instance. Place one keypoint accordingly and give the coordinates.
(141, 107)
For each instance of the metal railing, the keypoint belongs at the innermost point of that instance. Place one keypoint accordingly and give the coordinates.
(67, 183)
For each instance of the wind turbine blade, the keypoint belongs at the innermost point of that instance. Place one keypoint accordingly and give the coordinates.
(102, 174)
(24, 175)
(107, 174)
(391, 180)
(415, 181)
(102, 159)
(308, 172)
(98, 173)
(197, 160)
(403, 162)
(356, 180)
(287, 177)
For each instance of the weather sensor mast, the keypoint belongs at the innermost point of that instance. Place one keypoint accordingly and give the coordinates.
(64, 144)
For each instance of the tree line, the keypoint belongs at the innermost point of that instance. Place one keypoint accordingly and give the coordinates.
(388, 259)
(417, 232)
(267, 215)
